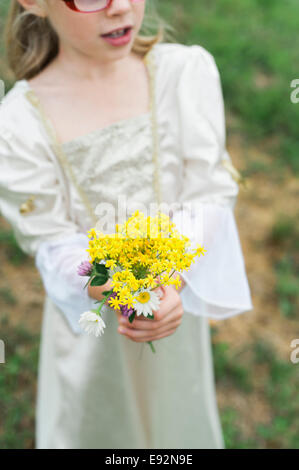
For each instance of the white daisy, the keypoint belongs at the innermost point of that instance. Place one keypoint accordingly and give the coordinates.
(145, 301)
(92, 323)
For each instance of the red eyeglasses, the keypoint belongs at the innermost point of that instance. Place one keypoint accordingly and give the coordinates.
(90, 6)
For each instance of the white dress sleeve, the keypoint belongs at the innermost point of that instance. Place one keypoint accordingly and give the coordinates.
(216, 284)
(45, 231)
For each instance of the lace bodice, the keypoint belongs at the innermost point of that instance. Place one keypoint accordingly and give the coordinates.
(115, 161)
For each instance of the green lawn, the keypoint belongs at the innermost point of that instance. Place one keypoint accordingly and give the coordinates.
(256, 46)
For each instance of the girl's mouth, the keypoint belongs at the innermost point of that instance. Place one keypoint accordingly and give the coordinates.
(119, 37)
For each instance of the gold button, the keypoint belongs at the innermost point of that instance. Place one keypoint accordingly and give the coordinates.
(27, 206)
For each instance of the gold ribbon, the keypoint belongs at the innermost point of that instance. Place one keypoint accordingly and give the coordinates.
(236, 175)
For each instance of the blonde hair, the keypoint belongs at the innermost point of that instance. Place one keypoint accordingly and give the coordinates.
(31, 43)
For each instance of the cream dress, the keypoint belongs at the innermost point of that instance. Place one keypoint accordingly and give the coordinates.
(111, 392)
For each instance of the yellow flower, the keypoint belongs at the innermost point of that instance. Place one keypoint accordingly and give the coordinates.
(114, 302)
(130, 301)
(177, 282)
(143, 297)
(151, 243)
(110, 263)
(115, 284)
(151, 282)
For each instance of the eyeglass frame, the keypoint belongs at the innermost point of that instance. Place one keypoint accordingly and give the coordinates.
(71, 5)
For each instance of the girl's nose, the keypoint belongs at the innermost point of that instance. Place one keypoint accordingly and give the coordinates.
(119, 6)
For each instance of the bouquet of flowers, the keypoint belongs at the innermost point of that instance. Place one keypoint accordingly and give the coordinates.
(140, 256)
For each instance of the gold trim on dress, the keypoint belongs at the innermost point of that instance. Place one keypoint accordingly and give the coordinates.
(58, 150)
(27, 206)
(149, 60)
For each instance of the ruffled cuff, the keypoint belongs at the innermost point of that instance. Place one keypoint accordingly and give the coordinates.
(216, 283)
(57, 262)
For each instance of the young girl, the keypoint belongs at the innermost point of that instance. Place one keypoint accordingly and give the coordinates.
(92, 118)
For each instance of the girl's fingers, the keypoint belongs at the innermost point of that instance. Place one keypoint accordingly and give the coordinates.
(167, 319)
(145, 335)
(153, 325)
(143, 339)
(162, 335)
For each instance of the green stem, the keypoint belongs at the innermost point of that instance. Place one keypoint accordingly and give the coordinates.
(98, 310)
(152, 346)
(89, 279)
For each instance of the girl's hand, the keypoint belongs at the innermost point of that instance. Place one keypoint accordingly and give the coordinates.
(166, 319)
(95, 292)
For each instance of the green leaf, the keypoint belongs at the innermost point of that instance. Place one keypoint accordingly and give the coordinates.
(101, 269)
(99, 280)
(131, 317)
(151, 317)
(107, 292)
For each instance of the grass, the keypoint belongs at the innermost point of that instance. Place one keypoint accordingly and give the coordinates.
(281, 390)
(11, 249)
(256, 47)
(230, 371)
(7, 296)
(287, 289)
(232, 437)
(284, 236)
(17, 386)
(279, 387)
